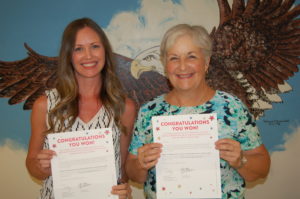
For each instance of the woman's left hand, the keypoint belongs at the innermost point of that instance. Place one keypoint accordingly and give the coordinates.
(122, 190)
(230, 151)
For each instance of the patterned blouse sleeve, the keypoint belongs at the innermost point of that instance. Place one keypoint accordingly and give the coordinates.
(138, 137)
(247, 131)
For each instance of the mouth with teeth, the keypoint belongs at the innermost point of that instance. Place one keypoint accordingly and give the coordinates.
(90, 64)
(185, 76)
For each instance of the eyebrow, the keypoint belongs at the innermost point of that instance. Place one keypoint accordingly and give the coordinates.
(190, 52)
(96, 42)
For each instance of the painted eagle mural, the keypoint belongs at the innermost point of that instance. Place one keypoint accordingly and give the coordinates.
(256, 47)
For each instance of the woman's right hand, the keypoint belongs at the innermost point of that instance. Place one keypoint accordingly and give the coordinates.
(148, 155)
(44, 160)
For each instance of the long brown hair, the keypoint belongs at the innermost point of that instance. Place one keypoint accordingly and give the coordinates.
(64, 114)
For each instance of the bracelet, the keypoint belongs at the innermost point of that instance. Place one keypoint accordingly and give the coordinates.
(243, 161)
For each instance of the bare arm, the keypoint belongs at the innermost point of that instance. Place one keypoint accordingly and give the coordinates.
(137, 166)
(127, 120)
(258, 159)
(258, 164)
(134, 170)
(38, 160)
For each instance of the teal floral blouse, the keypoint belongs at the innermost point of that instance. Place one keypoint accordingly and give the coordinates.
(234, 122)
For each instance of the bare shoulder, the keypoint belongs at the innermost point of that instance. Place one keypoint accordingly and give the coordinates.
(38, 125)
(130, 105)
(40, 103)
(129, 114)
(39, 110)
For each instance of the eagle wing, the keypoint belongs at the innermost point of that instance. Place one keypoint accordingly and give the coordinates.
(256, 48)
(27, 79)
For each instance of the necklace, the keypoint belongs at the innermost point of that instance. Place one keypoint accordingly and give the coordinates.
(183, 99)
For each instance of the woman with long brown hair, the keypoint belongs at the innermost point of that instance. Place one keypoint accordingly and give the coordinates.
(88, 95)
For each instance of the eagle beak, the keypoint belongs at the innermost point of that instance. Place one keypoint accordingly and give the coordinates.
(137, 69)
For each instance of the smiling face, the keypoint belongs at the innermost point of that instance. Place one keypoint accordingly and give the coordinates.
(88, 56)
(186, 65)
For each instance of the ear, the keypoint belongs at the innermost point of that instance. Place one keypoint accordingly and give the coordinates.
(164, 64)
(165, 73)
(207, 61)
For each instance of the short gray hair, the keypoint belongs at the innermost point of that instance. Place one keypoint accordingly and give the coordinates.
(198, 33)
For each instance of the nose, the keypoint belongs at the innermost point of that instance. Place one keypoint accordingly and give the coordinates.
(182, 64)
(88, 53)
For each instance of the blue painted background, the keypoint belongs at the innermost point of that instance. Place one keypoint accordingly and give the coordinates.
(40, 24)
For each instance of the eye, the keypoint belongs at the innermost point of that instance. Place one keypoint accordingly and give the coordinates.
(78, 49)
(150, 58)
(95, 46)
(192, 57)
(173, 58)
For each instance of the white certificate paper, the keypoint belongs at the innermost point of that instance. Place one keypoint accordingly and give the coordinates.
(84, 166)
(189, 166)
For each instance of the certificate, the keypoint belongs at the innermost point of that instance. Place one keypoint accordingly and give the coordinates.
(84, 166)
(189, 166)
